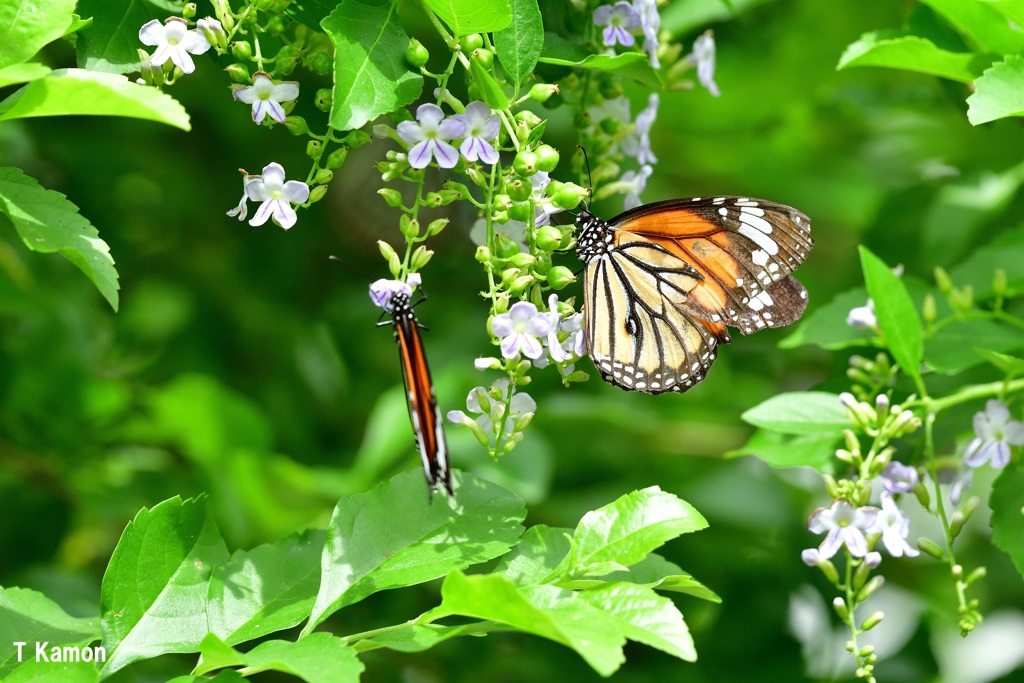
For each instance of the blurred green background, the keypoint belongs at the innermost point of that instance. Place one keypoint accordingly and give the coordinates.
(246, 364)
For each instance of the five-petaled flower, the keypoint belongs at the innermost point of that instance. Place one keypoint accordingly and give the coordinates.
(173, 41)
(635, 183)
(276, 196)
(429, 137)
(638, 143)
(894, 525)
(618, 19)
(481, 126)
(266, 97)
(994, 433)
(519, 330)
(845, 526)
(703, 57)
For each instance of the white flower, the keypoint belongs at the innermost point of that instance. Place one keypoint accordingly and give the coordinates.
(429, 137)
(863, 316)
(638, 143)
(636, 183)
(383, 291)
(488, 411)
(650, 22)
(519, 329)
(703, 57)
(481, 126)
(242, 210)
(173, 41)
(994, 433)
(894, 525)
(618, 19)
(266, 97)
(845, 526)
(555, 348)
(276, 196)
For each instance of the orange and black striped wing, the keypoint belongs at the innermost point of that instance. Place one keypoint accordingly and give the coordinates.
(744, 250)
(423, 410)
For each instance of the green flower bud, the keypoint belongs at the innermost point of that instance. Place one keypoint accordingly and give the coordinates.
(542, 91)
(482, 255)
(471, 42)
(522, 422)
(238, 73)
(520, 284)
(313, 149)
(323, 176)
(436, 226)
(432, 200)
(506, 248)
(610, 88)
(356, 138)
(522, 260)
(525, 163)
(500, 217)
(528, 117)
(577, 376)
(502, 201)
(976, 575)
(296, 125)
(324, 99)
(928, 309)
(511, 443)
(153, 76)
(874, 620)
(929, 546)
(478, 178)
(999, 282)
(839, 605)
(519, 190)
(337, 157)
(569, 196)
(409, 227)
(416, 54)
(391, 196)
(317, 193)
(547, 158)
(522, 132)
(287, 59)
(520, 211)
(560, 277)
(241, 50)
(942, 280)
(386, 250)
(829, 570)
(460, 190)
(549, 238)
(483, 57)
(421, 257)
(507, 276)
(275, 26)
(543, 264)
(189, 10)
(321, 63)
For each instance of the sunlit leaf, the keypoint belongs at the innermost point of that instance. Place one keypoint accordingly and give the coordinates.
(318, 658)
(785, 450)
(897, 317)
(32, 671)
(22, 73)
(472, 16)
(800, 412)
(28, 25)
(420, 637)
(982, 24)
(112, 43)
(910, 53)
(644, 616)
(519, 45)
(30, 617)
(999, 92)
(1012, 366)
(560, 52)
(536, 555)
(654, 571)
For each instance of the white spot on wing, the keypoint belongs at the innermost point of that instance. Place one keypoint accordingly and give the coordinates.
(760, 257)
(760, 239)
(756, 221)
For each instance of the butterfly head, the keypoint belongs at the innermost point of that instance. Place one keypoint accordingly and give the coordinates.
(595, 237)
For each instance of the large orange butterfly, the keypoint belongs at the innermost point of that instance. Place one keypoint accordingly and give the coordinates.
(663, 280)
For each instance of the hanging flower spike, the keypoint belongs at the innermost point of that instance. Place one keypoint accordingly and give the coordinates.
(845, 526)
(638, 143)
(899, 478)
(173, 41)
(637, 182)
(894, 525)
(618, 19)
(994, 433)
(481, 126)
(242, 210)
(650, 22)
(703, 57)
(519, 330)
(276, 196)
(383, 291)
(429, 137)
(266, 97)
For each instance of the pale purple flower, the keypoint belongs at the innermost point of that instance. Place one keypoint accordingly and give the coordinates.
(703, 57)
(383, 291)
(638, 143)
(894, 525)
(555, 348)
(899, 478)
(173, 41)
(618, 19)
(636, 182)
(266, 97)
(429, 137)
(961, 481)
(863, 316)
(845, 526)
(520, 404)
(873, 559)
(650, 22)
(994, 433)
(810, 556)
(519, 330)
(276, 195)
(576, 343)
(481, 126)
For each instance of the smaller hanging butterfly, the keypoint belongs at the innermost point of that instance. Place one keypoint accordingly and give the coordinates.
(662, 281)
(393, 297)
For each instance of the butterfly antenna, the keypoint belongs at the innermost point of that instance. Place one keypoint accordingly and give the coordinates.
(590, 177)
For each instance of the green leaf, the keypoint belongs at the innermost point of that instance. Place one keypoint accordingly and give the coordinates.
(783, 450)
(519, 46)
(22, 73)
(541, 549)
(393, 536)
(311, 12)
(267, 589)
(371, 76)
(31, 671)
(490, 91)
(826, 326)
(999, 92)
(537, 133)
(644, 616)
(635, 65)
(654, 571)
(910, 53)
(1013, 367)
(1011, 9)
(546, 611)
(77, 92)
(981, 24)
(800, 412)
(31, 617)
(1007, 501)
(472, 16)
(1007, 252)
(111, 43)
(319, 658)
(420, 637)
(47, 222)
(154, 594)
(27, 25)
(622, 533)
(897, 317)
(950, 349)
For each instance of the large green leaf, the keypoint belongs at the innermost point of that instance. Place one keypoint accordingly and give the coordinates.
(910, 53)
(490, 91)
(560, 52)
(22, 73)
(644, 616)
(371, 76)
(27, 25)
(951, 349)
(267, 589)
(519, 46)
(982, 24)
(800, 412)
(30, 617)
(1006, 252)
(1011, 9)
(472, 16)
(541, 549)
(320, 658)
(826, 325)
(155, 590)
(32, 671)
(420, 637)
(654, 571)
(393, 536)
(897, 317)
(785, 450)
(47, 222)
(999, 92)
(111, 43)
(1007, 501)
(77, 92)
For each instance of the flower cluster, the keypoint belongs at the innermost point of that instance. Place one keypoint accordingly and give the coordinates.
(498, 415)
(431, 135)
